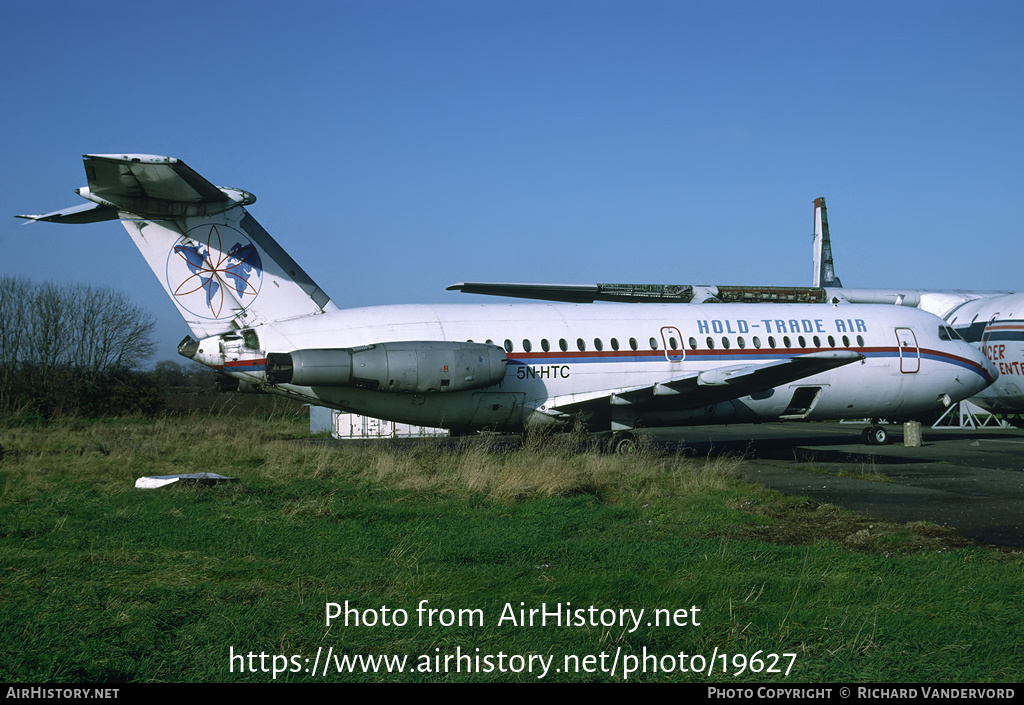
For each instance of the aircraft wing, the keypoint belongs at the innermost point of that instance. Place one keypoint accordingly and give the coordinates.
(582, 293)
(695, 389)
(647, 293)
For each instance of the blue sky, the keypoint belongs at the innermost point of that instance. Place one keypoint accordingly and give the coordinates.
(398, 147)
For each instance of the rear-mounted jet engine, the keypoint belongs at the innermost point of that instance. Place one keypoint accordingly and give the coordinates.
(408, 367)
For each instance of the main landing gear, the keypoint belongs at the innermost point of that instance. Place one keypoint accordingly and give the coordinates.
(875, 435)
(618, 442)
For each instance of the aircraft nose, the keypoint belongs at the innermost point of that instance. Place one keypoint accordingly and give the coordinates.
(991, 372)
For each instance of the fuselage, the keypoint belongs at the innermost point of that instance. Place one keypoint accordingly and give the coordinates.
(560, 356)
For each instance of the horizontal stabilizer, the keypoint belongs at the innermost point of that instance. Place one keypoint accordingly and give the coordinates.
(218, 265)
(144, 186)
(147, 187)
(112, 176)
(77, 215)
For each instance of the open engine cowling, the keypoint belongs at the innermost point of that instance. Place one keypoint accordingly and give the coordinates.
(414, 367)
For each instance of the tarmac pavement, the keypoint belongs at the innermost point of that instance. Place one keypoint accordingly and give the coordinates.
(971, 480)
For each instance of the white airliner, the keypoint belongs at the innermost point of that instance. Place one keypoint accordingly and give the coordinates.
(260, 319)
(996, 325)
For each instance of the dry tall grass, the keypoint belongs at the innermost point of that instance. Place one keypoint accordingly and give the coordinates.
(553, 466)
(544, 464)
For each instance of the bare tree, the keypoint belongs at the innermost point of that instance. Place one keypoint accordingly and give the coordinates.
(15, 296)
(49, 332)
(106, 331)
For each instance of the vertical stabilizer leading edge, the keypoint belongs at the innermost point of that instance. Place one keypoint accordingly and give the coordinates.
(824, 270)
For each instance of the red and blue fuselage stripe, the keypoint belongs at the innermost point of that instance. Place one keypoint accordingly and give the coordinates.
(728, 356)
(639, 356)
(255, 365)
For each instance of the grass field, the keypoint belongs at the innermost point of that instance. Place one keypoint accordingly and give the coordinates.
(234, 582)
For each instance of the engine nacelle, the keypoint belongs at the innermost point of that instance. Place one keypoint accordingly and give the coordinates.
(413, 367)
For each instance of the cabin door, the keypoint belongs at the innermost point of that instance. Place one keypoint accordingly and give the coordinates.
(673, 341)
(910, 353)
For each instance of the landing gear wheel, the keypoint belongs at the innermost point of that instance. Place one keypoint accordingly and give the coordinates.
(875, 436)
(622, 444)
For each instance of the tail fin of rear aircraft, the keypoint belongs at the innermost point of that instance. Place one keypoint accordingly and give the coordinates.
(220, 267)
(824, 270)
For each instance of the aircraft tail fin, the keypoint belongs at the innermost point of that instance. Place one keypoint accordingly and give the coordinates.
(824, 269)
(218, 265)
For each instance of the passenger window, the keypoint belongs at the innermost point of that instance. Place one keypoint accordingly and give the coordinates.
(771, 341)
(693, 343)
(785, 341)
(846, 341)
(725, 343)
(654, 343)
(817, 342)
(711, 343)
(508, 345)
(615, 343)
(860, 340)
(742, 343)
(757, 342)
(544, 345)
(527, 345)
(831, 342)
(633, 345)
(598, 345)
(563, 345)
(803, 343)
(673, 343)
(580, 344)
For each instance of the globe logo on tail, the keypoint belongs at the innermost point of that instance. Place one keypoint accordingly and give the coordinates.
(214, 271)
